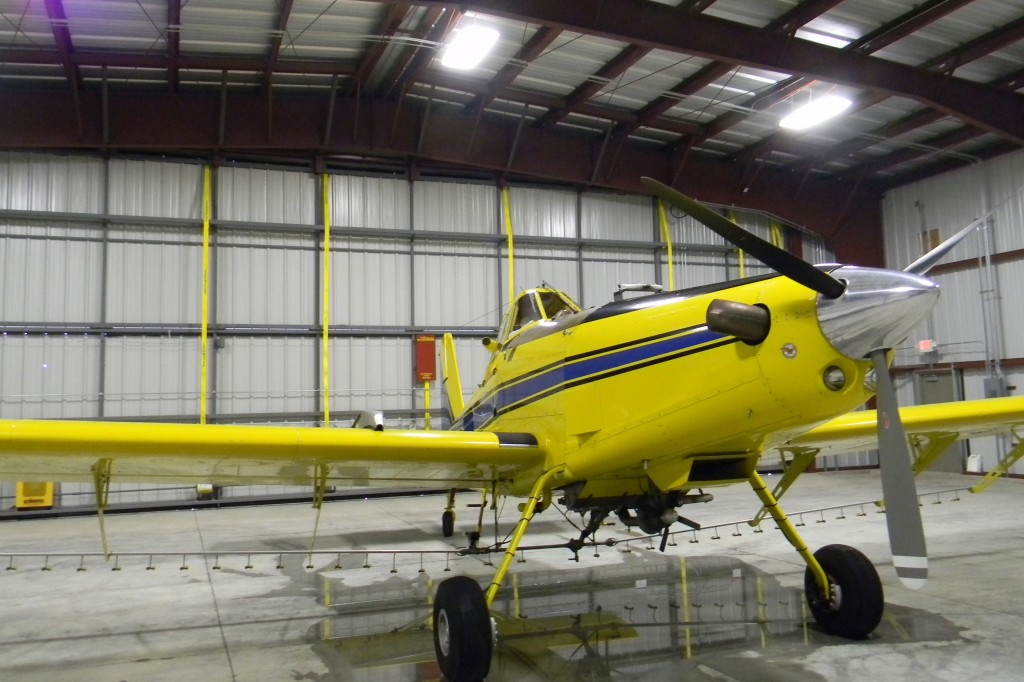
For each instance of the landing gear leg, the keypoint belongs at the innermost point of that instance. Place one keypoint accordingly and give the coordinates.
(448, 517)
(843, 590)
(464, 633)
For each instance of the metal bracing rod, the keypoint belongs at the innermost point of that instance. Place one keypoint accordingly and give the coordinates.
(1002, 468)
(517, 535)
(772, 505)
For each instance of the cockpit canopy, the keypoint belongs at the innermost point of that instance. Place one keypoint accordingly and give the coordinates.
(535, 306)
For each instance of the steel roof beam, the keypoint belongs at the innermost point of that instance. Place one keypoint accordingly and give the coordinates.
(787, 24)
(387, 29)
(129, 60)
(540, 100)
(945, 63)
(173, 43)
(188, 123)
(533, 49)
(629, 56)
(275, 45)
(661, 27)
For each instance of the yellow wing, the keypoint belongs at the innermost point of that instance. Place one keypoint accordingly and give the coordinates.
(231, 455)
(938, 423)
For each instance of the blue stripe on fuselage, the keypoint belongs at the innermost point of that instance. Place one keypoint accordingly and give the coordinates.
(571, 373)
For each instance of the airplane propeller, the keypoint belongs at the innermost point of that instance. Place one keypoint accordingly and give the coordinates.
(783, 262)
(902, 512)
(903, 515)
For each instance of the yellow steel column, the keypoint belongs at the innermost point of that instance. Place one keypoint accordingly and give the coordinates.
(426, 405)
(742, 257)
(507, 211)
(667, 238)
(204, 324)
(325, 348)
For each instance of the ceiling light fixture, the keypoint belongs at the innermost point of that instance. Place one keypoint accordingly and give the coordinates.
(468, 47)
(815, 112)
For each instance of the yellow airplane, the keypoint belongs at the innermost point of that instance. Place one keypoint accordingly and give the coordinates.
(637, 408)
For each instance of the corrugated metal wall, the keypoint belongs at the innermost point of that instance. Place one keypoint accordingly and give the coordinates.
(977, 325)
(101, 268)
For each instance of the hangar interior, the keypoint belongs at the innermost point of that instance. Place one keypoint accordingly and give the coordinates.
(342, 193)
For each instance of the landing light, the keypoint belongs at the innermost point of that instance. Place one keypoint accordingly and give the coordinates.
(835, 378)
(818, 111)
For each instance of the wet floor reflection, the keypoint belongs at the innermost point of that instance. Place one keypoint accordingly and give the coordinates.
(666, 618)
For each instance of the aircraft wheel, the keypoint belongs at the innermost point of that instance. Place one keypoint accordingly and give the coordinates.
(463, 631)
(448, 523)
(855, 609)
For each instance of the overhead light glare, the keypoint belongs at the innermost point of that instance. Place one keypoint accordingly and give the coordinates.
(468, 47)
(818, 111)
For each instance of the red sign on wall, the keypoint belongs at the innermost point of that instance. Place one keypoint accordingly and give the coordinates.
(426, 358)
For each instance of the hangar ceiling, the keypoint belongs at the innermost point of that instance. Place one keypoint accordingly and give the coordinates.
(590, 92)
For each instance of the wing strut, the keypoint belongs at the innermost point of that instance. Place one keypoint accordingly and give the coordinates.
(101, 483)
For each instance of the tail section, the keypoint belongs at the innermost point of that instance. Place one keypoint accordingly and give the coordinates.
(450, 378)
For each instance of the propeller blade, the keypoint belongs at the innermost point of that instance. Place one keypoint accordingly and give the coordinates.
(783, 262)
(902, 513)
(926, 262)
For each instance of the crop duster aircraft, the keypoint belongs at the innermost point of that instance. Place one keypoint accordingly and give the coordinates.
(636, 408)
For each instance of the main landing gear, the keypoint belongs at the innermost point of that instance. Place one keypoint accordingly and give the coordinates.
(842, 587)
(464, 633)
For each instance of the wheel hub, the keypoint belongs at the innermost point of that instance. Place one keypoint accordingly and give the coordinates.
(443, 632)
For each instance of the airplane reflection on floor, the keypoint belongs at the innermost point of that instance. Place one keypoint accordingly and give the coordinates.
(704, 617)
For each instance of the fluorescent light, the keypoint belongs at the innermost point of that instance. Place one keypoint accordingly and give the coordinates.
(469, 47)
(815, 112)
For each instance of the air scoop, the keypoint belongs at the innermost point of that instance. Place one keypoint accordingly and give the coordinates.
(876, 311)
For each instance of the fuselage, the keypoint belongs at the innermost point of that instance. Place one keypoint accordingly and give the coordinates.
(642, 392)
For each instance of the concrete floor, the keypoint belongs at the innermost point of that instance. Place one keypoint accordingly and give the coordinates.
(231, 594)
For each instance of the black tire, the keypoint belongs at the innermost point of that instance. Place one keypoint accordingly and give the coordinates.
(856, 608)
(448, 523)
(463, 638)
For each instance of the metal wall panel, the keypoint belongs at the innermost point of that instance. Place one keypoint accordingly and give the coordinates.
(55, 376)
(956, 324)
(948, 203)
(155, 278)
(558, 268)
(371, 373)
(44, 182)
(815, 250)
(455, 207)
(49, 274)
(267, 375)
(543, 212)
(370, 202)
(266, 279)
(148, 376)
(604, 270)
(262, 195)
(617, 216)
(1011, 283)
(370, 282)
(1006, 189)
(456, 285)
(155, 189)
(473, 359)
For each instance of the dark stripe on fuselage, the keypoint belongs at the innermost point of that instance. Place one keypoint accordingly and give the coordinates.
(588, 367)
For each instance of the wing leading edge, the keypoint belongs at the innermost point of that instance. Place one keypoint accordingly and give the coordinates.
(230, 454)
(857, 431)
